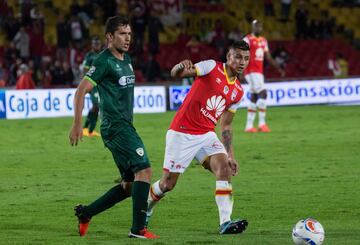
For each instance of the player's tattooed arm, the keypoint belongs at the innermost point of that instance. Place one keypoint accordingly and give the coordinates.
(227, 139)
(226, 131)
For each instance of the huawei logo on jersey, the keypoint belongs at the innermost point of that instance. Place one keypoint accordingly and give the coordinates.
(216, 103)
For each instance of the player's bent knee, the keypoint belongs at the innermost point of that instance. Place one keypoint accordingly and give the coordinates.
(206, 165)
(126, 186)
(143, 175)
(168, 186)
(263, 94)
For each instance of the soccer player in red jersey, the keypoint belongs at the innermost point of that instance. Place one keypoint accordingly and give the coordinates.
(215, 95)
(254, 75)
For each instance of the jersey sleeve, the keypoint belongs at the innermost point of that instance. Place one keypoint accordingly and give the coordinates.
(246, 39)
(204, 67)
(233, 107)
(96, 72)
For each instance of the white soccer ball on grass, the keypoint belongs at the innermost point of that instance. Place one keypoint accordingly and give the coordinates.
(309, 232)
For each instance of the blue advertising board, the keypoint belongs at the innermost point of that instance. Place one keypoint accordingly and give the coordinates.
(2, 104)
(332, 91)
(177, 95)
(41, 103)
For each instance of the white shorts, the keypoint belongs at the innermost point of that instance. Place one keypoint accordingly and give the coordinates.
(182, 148)
(256, 82)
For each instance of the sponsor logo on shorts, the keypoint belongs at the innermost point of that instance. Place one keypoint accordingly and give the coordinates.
(217, 145)
(174, 165)
(140, 151)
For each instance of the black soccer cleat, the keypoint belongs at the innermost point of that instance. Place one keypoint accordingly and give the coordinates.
(233, 227)
(83, 224)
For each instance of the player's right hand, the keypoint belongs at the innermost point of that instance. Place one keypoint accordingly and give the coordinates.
(75, 134)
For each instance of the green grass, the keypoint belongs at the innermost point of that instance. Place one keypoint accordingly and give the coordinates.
(308, 166)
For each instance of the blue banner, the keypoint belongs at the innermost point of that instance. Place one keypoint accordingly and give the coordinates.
(2, 104)
(333, 91)
(177, 95)
(41, 103)
(149, 99)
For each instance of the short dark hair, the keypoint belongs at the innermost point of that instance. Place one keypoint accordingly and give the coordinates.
(240, 45)
(112, 23)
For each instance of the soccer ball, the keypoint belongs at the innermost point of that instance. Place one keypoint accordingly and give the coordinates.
(308, 231)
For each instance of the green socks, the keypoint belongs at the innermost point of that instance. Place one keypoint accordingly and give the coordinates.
(140, 192)
(109, 199)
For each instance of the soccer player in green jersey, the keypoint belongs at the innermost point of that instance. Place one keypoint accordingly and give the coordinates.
(114, 77)
(91, 119)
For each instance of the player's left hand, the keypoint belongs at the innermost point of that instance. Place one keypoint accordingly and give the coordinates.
(234, 166)
(75, 134)
(186, 64)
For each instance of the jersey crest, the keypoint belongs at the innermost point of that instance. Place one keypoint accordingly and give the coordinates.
(226, 89)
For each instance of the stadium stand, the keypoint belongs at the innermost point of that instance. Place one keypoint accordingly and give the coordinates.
(306, 58)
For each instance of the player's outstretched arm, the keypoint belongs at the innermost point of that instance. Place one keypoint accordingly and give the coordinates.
(76, 130)
(226, 133)
(183, 69)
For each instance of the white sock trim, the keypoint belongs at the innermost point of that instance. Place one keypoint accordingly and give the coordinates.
(223, 184)
(156, 189)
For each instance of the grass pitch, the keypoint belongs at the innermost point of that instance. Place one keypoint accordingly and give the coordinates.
(309, 166)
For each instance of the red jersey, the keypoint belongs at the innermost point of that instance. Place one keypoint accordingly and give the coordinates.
(211, 94)
(258, 47)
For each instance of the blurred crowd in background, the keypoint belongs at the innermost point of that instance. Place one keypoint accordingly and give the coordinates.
(43, 43)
